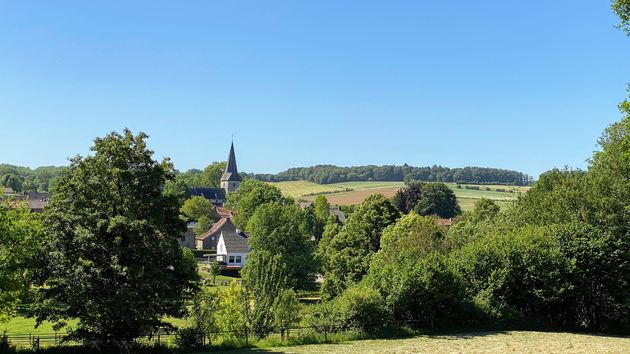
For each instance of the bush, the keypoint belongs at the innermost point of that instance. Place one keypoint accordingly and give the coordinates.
(188, 338)
(363, 307)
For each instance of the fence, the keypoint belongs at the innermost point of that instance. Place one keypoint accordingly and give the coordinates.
(167, 336)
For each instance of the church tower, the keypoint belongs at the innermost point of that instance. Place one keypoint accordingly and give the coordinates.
(231, 180)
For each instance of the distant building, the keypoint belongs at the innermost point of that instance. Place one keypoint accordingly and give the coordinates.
(229, 242)
(187, 239)
(7, 190)
(216, 196)
(230, 181)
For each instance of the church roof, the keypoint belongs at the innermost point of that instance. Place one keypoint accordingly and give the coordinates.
(231, 172)
(208, 193)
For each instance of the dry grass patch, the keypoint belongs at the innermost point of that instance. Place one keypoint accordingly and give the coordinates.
(482, 342)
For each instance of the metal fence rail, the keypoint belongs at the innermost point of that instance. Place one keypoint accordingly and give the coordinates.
(167, 336)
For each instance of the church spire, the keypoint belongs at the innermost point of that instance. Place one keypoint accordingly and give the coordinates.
(231, 180)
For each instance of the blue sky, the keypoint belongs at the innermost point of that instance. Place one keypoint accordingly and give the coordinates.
(510, 84)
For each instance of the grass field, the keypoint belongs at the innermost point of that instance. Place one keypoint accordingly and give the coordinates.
(481, 342)
(350, 193)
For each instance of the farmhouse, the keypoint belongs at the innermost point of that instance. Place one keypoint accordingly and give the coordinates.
(229, 242)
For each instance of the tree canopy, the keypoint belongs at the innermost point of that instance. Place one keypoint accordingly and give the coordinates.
(110, 257)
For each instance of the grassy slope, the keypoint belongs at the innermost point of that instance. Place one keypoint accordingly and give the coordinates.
(481, 342)
(337, 194)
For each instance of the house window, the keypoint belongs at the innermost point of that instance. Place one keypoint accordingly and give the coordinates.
(182, 238)
(212, 238)
(238, 259)
(231, 259)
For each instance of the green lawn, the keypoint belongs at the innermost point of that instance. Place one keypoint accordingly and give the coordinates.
(477, 342)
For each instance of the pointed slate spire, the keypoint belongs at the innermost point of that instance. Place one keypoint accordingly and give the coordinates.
(231, 172)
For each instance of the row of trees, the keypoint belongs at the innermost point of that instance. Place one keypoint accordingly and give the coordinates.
(324, 174)
(24, 179)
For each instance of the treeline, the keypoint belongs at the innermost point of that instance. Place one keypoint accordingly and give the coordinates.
(325, 174)
(26, 179)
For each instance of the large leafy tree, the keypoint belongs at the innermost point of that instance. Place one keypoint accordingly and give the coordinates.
(20, 232)
(350, 251)
(12, 181)
(427, 199)
(437, 199)
(200, 210)
(110, 257)
(265, 279)
(281, 230)
(251, 195)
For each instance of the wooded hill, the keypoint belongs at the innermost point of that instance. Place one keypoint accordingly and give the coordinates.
(325, 174)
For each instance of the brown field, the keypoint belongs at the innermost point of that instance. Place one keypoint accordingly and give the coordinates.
(481, 342)
(356, 197)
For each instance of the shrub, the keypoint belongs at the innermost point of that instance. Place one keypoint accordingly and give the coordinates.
(362, 306)
(188, 338)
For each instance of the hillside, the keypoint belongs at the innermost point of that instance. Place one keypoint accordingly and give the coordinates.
(349, 193)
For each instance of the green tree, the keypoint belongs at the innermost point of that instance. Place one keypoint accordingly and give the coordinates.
(286, 312)
(265, 278)
(20, 232)
(332, 228)
(231, 313)
(362, 306)
(437, 199)
(251, 195)
(215, 269)
(198, 209)
(350, 252)
(412, 272)
(211, 175)
(111, 258)
(280, 230)
(12, 181)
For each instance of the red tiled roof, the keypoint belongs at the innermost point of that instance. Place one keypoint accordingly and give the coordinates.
(223, 212)
(214, 229)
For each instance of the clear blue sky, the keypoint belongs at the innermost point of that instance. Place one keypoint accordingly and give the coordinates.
(526, 85)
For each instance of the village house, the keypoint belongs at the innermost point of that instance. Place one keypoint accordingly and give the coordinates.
(229, 242)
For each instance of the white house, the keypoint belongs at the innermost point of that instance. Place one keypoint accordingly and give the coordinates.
(229, 242)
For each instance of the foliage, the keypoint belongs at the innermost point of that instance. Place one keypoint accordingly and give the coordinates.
(362, 306)
(197, 207)
(332, 228)
(210, 176)
(286, 311)
(326, 174)
(520, 273)
(12, 181)
(427, 199)
(20, 232)
(215, 269)
(110, 257)
(251, 195)
(230, 315)
(622, 10)
(265, 278)
(42, 177)
(437, 199)
(483, 215)
(200, 210)
(351, 250)
(281, 230)
(413, 273)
